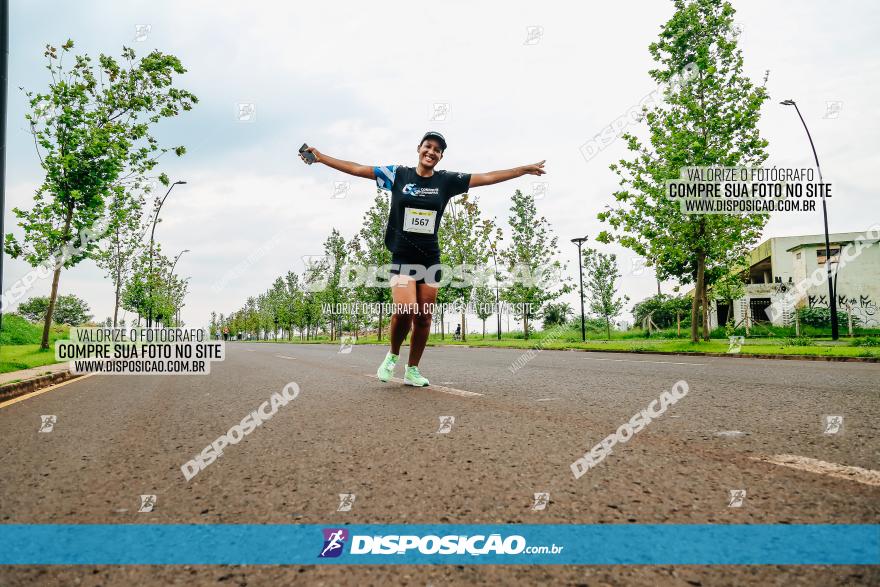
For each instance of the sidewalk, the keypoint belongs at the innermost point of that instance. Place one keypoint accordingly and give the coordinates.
(26, 374)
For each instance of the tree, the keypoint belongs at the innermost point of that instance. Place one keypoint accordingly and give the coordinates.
(368, 249)
(464, 239)
(92, 134)
(664, 309)
(709, 120)
(536, 274)
(69, 309)
(601, 285)
(116, 255)
(484, 300)
(556, 314)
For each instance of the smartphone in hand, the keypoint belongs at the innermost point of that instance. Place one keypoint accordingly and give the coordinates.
(307, 155)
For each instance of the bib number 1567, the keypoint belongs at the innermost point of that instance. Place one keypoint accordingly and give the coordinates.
(418, 220)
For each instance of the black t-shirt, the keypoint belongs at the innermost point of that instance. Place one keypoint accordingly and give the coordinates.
(417, 205)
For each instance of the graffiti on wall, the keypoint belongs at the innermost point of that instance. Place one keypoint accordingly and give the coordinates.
(863, 308)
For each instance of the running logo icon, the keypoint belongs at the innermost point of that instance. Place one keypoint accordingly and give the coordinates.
(736, 344)
(148, 502)
(346, 500)
(47, 423)
(446, 423)
(334, 542)
(541, 501)
(737, 497)
(833, 425)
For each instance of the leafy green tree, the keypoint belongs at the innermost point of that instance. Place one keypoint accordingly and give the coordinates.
(664, 309)
(709, 119)
(118, 252)
(556, 314)
(600, 286)
(463, 236)
(484, 300)
(531, 260)
(34, 309)
(69, 309)
(92, 134)
(367, 249)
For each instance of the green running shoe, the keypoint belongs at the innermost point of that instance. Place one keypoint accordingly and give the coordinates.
(413, 377)
(386, 369)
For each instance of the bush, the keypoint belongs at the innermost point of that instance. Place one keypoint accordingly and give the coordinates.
(798, 341)
(18, 330)
(867, 341)
(821, 317)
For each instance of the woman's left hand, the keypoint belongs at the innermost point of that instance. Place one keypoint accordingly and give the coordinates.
(535, 168)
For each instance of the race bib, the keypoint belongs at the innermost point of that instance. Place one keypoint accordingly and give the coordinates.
(419, 220)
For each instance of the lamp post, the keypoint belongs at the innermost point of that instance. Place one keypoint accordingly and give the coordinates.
(832, 294)
(152, 239)
(580, 242)
(497, 301)
(179, 255)
(4, 69)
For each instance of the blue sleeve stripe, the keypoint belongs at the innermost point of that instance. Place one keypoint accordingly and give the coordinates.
(385, 176)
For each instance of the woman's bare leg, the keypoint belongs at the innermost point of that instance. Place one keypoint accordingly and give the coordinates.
(403, 293)
(426, 295)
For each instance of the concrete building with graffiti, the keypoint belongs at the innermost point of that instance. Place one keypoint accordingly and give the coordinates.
(781, 266)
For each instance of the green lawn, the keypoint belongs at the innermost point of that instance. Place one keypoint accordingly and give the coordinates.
(755, 346)
(24, 356)
(20, 344)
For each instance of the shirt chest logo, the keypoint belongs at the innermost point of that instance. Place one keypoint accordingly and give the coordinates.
(412, 189)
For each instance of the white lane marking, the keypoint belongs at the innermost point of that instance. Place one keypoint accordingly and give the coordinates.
(250, 350)
(450, 390)
(21, 398)
(546, 399)
(284, 357)
(655, 362)
(857, 474)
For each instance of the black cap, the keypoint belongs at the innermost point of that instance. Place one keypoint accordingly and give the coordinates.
(434, 135)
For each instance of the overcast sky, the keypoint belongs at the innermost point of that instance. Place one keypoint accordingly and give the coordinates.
(359, 82)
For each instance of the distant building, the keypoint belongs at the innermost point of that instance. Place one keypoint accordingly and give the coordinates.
(778, 264)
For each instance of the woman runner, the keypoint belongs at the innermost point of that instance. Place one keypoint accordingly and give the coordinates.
(418, 198)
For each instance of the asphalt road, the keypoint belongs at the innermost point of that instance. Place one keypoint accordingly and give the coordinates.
(515, 434)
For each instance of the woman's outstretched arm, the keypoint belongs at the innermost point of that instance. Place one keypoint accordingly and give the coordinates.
(478, 179)
(365, 171)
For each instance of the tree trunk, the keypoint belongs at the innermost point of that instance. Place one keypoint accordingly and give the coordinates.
(463, 326)
(707, 328)
(116, 303)
(698, 296)
(47, 322)
(379, 338)
(608, 326)
(59, 265)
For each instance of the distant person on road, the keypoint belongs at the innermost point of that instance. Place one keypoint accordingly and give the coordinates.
(457, 335)
(418, 198)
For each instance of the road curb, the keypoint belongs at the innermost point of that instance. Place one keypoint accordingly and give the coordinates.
(19, 388)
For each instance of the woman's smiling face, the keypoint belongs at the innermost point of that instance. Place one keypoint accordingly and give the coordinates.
(430, 153)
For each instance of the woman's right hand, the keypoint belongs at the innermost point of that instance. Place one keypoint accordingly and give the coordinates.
(314, 152)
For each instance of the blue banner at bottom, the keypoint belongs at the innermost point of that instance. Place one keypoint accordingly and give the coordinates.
(454, 544)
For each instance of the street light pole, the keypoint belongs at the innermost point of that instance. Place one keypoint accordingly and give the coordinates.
(579, 242)
(152, 239)
(832, 293)
(4, 74)
(497, 301)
